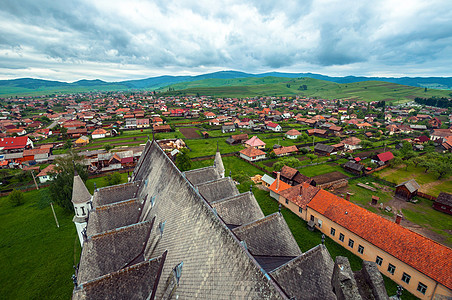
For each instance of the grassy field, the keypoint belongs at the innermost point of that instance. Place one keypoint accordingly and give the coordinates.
(202, 147)
(423, 214)
(36, 256)
(232, 164)
(277, 86)
(363, 196)
(428, 181)
(312, 171)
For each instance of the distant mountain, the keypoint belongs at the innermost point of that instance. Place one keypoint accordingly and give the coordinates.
(30, 86)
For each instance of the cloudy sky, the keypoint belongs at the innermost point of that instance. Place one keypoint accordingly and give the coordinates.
(116, 40)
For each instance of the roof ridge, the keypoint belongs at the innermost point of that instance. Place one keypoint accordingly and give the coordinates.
(258, 221)
(119, 203)
(303, 256)
(230, 198)
(117, 230)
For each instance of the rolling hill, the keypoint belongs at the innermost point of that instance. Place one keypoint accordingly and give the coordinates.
(277, 86)
(219, 83)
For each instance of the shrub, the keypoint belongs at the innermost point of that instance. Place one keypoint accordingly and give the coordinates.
(114, 178)
(16, 198)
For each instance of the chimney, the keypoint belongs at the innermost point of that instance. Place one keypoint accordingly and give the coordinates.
(278, 175)
(398, 219)
(348, 196)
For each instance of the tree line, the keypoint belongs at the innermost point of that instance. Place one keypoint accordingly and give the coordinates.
(434, 101)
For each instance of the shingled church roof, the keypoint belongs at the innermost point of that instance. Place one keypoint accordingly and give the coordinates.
(315, 267)
(238, 210)
(202, 175)
(80, 193)
(218, 189)
(179, 244)
(111, 216)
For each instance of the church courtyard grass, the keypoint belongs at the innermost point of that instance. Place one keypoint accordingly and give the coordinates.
(37, 258)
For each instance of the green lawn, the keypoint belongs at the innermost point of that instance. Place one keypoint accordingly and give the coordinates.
(423, 214)
(202, 147)
(232, 164)
(400, 174)
(312, 171)
(364, 196)
(36, 256)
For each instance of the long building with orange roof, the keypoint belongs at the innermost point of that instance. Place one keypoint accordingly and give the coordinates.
(419, 264)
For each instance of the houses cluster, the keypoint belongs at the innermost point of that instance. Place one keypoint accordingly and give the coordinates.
(417, 263)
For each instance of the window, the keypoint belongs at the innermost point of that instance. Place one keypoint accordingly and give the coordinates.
(287, 201)
(379, 260)
(351, 243)
(391, 269)
(406, 278)
(312, 218)
(300, 210)
(83, 211)
(76, 212)
(341, 237)
(360, 249)
(421, 288)
(333, 231)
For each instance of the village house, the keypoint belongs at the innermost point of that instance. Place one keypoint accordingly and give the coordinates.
(99, 133)
(15, 144)
(294, 177)
(274, 127)
(443, 203)
(293, 134)
(252, 154)
(283, 151)
(351, 143)
(322, 149)
(255, 142)
(45, 174)
(407, 189)
(237, 139)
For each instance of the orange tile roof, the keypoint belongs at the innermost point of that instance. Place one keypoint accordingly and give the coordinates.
(423, 254)
(284, 150)
(282, 186)
(251, 152)
(300, 194)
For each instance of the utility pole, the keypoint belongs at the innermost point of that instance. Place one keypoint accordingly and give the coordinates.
(34, 179)
(54, 215)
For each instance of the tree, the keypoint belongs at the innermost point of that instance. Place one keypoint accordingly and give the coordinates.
(311, 156)
(108, 147)
(63, 178)
(16, 198)
(183, 161)
(365, 144)
(67, 144)
(113, 178)
(396, 161)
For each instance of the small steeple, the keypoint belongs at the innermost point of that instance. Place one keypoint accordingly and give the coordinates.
(81, 199)
(80, 193)
(218, 163)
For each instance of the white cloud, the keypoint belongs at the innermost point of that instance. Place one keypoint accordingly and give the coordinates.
(114, 40)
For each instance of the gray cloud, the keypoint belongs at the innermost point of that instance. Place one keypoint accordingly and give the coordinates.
(144, 38)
